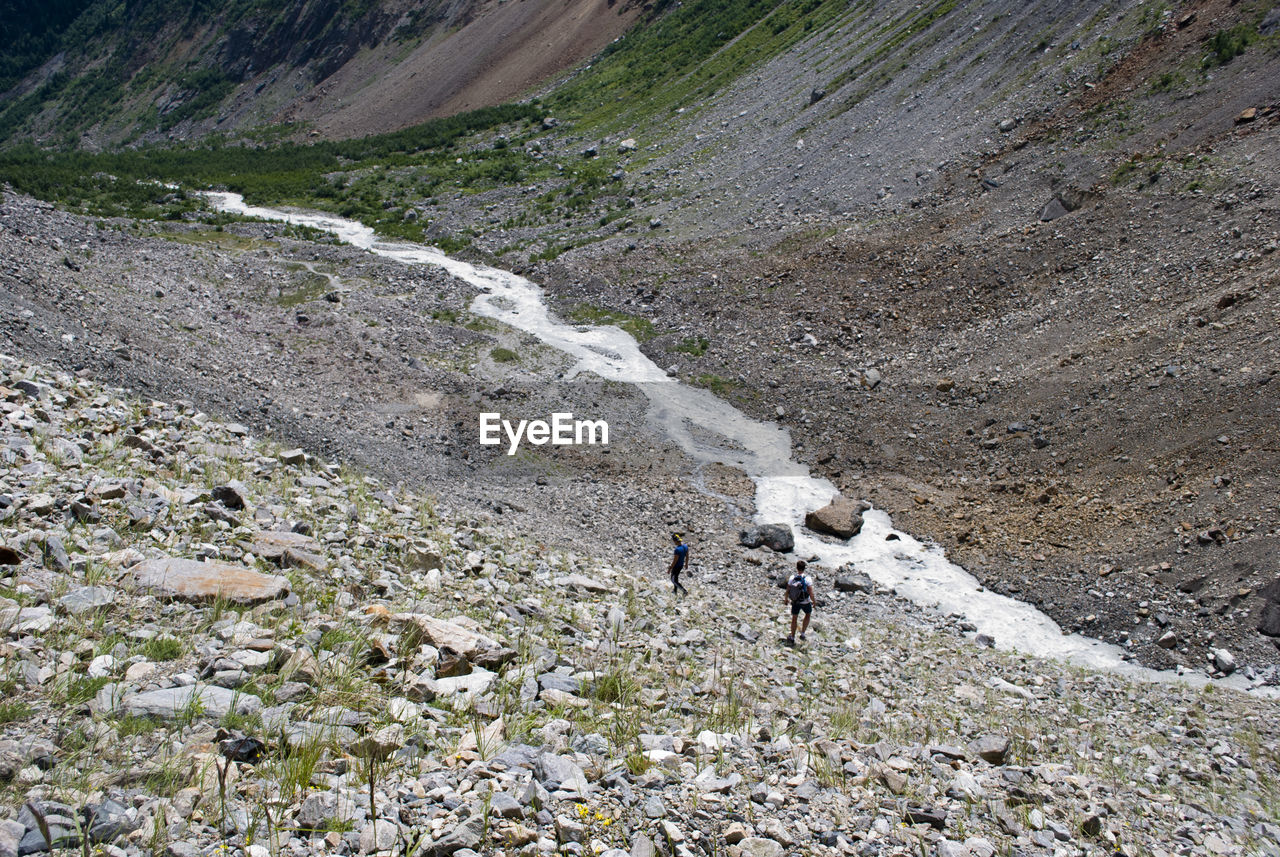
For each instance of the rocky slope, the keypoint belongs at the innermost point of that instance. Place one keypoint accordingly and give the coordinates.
(1049, 346)
(351, 671)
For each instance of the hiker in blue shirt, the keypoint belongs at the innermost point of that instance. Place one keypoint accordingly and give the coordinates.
(677, 564)
(799, 595)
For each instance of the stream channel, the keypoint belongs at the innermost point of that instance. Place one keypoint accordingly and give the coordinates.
(710, 430)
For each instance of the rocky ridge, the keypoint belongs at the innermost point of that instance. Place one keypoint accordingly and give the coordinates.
(348, 670)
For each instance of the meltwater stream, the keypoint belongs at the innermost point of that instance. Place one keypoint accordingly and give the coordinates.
(710, 430)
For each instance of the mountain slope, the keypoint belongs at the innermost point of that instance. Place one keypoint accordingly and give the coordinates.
(156, 69)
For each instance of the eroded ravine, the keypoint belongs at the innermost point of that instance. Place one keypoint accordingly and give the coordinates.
(709, 431)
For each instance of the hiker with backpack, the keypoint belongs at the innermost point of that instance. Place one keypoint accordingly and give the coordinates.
(678, 561)
(799, 594)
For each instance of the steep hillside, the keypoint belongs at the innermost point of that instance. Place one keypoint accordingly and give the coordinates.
(123, 73)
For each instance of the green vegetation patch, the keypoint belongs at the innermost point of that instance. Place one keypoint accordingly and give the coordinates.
(212, 238)
(688, 52)
(693, 346)
(14, 712)
(715, 383)
(162, 649)
(356, 178)
(641, 329)
(504, 355)
(311, 289)
(1226, 45)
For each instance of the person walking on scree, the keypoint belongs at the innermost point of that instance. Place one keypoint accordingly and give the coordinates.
(799, 594)
(678, 560)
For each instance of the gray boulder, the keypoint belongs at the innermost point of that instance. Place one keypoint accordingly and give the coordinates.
(1269, 621)
(326, 809)
(854, 581)
(60, 820)
(776, 537)
(1053, 209)
(469, 834)
(86, 599)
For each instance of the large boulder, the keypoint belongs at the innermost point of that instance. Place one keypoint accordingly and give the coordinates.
(776, 537)
(188, 580)
(841, 517)
(1269, 621)
(850, 580)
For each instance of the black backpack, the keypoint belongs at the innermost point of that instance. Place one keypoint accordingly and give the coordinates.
(797, 589)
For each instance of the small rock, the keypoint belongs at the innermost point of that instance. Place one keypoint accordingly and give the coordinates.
(757, 846)
(379, 835)
(858, 582)
(643, 846)
(1053, 209)
(86, 599)
(1224, 661)
(382, 743)
(504, 805)
(993, 749)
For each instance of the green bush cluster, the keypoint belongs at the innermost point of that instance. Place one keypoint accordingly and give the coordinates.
(356, 178)
(687, 50)
(1226, 45)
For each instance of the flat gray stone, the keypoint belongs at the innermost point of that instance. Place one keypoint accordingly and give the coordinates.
(758, 846)
(582, 582)
(326, 809)
(555, 681)
(558, 774)
(172, 702)
(86, 599)
(188, 580)
(273, 544)
(34, 620)
(504, 805)
(1053, 209)
(993, 749)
